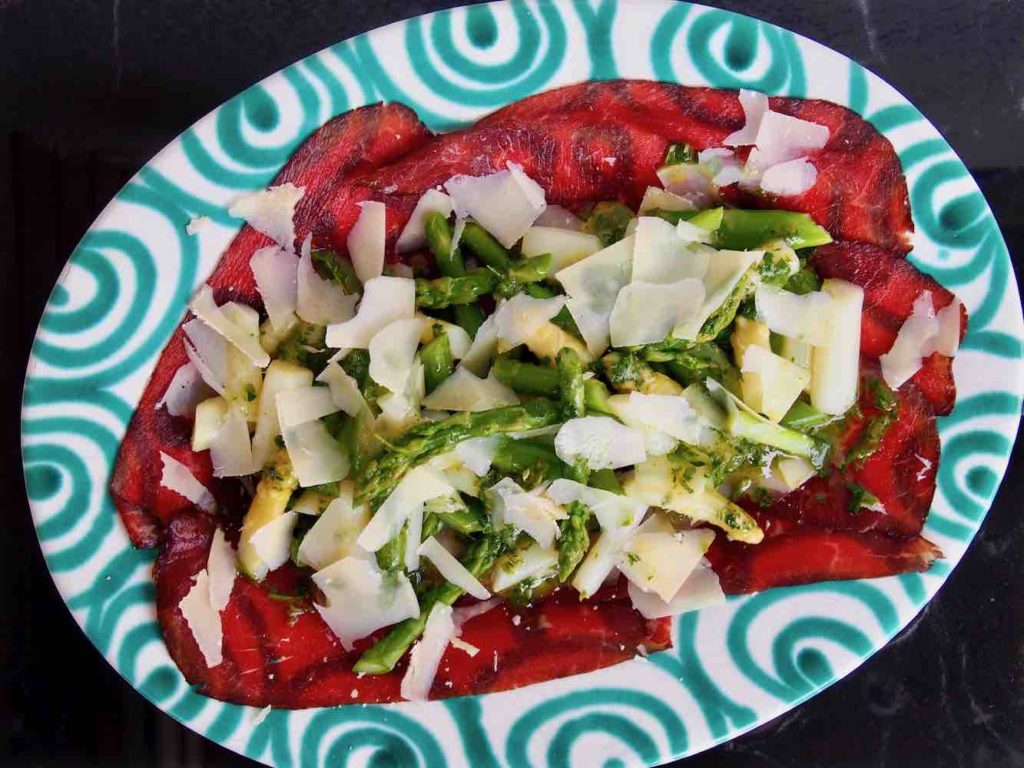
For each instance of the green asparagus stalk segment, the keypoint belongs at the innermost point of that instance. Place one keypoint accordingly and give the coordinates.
(527, 378)
(607, 480)
(709, 219)
(608, 220)
(488, 250)
(573, 539)
(524, 276)
(678, 154)
(438, 363)
(538, 291)
(531, 461)
(453, 512)
(570, 377)
(450, 264)
(432, 525)
(803, 417)
(444, 292)
(382, 657)
(565, 321)
(391, 556)
(740, 229)
(695, 362)
(596, 395)
(332, 267)
(428, 439)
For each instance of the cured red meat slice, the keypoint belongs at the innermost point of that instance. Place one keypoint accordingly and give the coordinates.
(891, 285)
(808, 555)
(274, 658)
(345, 147)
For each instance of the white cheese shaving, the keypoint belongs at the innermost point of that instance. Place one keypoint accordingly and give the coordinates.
(725, 270)
(221, 570)
(316, 456)
(601, 560)
(483, 349)
(470, 649)
(196, 224)
(466, 613)
(771, 383)
(281, 376)
(459, 341)
(176, 477)
(400, 410)
(835, 366)
(385, 299)
(793, 177)
(276, 271)
(924, 332)
(464, 391)
(413, 235)
(365, 241)
(426, 655)
(806, 317)
(186, 390)
(782, 137)
(271, 211)
(320, 301)
(689, 181)
(947, 338)
(393, 352)
(565, 246)
(646, 313)
(203, 620)
(360, 600)
(612, 510)
(600, 442)
(700, 590)
(205, 308)
(333, 535)
(451, 569)
(526, 511)
(661, 255)
(593, 285)
(506, 203)
(660, 561)
(418, 486)
(754, 105)
(344, 389)
(477, 453)
(530, 562)
(272, 543)
(231, 449)
(208, 352)
(557, 216)
(519, 318)
(303, 404)
(656, 198)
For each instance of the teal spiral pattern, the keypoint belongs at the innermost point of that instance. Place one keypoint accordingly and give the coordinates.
(731, 667)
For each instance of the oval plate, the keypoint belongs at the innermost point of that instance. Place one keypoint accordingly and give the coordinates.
(127, 284)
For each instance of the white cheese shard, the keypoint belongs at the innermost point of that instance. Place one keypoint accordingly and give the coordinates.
(451, 569)
(660, 561)
(281, 376)
(320, 301)
(806, 317)
(393, 352)
(530, 562)
(477, 453)
(196, 225)
(664, 420)
(276, 273)
(426, 655)
(506, 203)
(272, 543)
(483, 349)
(656, 441)
(418, 486)
(947, 339)
(360, 600)
(385, 299)
(208, 352)
(793, 177)
(690, 181)
(593, 285)
(464, 391)
(316, 456)
(646, 313)
(599, 442)
(203, 620)
(700, 590)
(771, 383)
(519, 318)
(221, 569)
(562, 218)
(413, 235)
(835, 365)
(527, 511)
(565, 246)
(661, 255)
(754, 104)
(231, 449)
(333, 535)
(611, 510)
(470, 649)
(400, 410)
(271, 211)
(303, 404)
(782, 137)
(205, 308)
(656, 198)
(465, 613)
(725, 271)
(923, 333)
(176, 477)
(365, 241)
(601, 560)
(186, 390)
(344, 389)
(458, 339)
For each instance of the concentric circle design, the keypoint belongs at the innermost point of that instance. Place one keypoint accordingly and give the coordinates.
(732, 667)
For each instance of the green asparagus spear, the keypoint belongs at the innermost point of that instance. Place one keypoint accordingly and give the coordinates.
(570, 377)
(680, 153)
(427, 439)
(609, 221)
(443, 292)
(740, 229)
(392, 555)
(695, 362)
(573, 539)
(432, 525)
(304, 345)
(531, 461)
(482, 243)
(450, 264)
(332, 267)
(607, 480)
(382, 657)
(596, 396)
(453, 512)
(527, 378)
(804, 417)
(565, 321)
(525, 273)
(438, 363)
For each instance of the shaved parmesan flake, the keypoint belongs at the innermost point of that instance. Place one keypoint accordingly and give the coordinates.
(344, 389)
(281, 376)
(196, 224)
(209, 418)
(320, 301)
(835, 366)
(663, 419)
(518, 318)
(418, 486)
(276, 270)
(600, 442)
(231, 450)
(477, 453)
(272, 543)
(260, 716)
(365, 241)
(459, 341)
(451, 569)
(316, 456)
(271, 211)
(947, 339)
(360, 600)
(462, 645)
(700, 590)
(303, 404)
(690, 181)
(426, 654)
(806, 317)
(206, 309)
(661, 255)
(530, 562)
(557, 216)
(179, 478)
(754, 105)
(793, 472)
(506, 203)
(393, 351)
(186, 390)
(921, 334)
(656, 441)
(645, 313)
(593, 285)
(483, 349)
(601, 560)
(203, 620)
(413, 235)
(725, 270)
(781, 138)
(385, 299)
(526, 511)
(661, 199)
(770, 383)
(612, 510)
(463, 391)
(221, 569)
(465, 613)
(691, 233)
(660, 562)
(565, 246)
(793, 177)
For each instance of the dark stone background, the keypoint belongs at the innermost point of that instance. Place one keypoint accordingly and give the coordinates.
(89, 91)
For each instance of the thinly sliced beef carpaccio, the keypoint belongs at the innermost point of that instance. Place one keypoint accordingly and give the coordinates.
(274, 657)
(346, 147)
